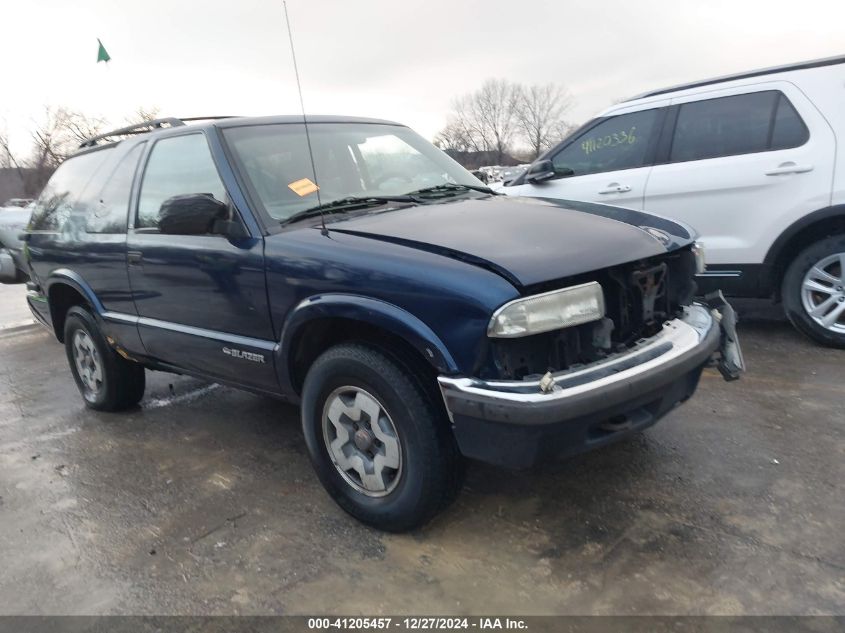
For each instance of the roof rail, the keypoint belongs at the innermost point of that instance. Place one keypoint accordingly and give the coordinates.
(815, 63)
(129, 130)
(145, 127)
(210, 118)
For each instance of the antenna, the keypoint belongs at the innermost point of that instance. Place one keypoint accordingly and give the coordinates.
(325, 231)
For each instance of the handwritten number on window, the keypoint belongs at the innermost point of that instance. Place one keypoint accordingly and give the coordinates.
(615, 139)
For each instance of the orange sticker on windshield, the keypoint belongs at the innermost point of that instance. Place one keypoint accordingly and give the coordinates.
(303, 187)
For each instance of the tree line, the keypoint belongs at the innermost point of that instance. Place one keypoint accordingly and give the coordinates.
(56, 136)
(502, 118)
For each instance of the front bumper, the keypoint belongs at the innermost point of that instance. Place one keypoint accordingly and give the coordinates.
(517, 423)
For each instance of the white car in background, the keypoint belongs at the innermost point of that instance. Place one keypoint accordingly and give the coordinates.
(754, 161)
(17, 202)
(511, 173)
(13, 221)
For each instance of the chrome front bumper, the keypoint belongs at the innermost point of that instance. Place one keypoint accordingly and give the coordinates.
(684, 345)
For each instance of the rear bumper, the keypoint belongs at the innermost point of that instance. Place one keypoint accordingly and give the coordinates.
(516, 423)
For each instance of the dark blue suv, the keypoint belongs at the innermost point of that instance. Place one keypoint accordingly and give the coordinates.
(354, 268)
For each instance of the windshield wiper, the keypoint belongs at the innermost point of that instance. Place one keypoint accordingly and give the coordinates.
(451, 187)
(345, 204)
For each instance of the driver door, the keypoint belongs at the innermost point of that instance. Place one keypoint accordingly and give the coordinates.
(201, 299)
(608, 162)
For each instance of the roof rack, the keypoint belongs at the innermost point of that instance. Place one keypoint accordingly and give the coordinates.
(143, 128)
(828, 61)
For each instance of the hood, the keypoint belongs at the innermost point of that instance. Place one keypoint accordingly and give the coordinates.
(525, 240)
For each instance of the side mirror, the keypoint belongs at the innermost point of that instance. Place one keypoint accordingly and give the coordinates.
(191, 214)
(540, 171)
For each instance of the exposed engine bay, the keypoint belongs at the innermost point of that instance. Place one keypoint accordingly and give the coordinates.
(639, 298)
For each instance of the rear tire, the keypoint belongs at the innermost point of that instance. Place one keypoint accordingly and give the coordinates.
(106, 380)
(813, 291)
(381, 448)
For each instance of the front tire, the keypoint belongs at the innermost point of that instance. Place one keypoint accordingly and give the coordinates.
(381, 448)
(106, 381)
(813, 291)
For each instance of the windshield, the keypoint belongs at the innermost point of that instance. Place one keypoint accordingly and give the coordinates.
(352, 160)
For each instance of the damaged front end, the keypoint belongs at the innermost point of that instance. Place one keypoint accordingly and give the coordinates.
(570, 389)
(639, 298)
(730, 362)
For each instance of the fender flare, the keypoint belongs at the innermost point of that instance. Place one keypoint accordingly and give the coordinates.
(775, 250)
(75, 281)
(376, 312)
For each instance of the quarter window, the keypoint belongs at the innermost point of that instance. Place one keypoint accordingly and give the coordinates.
(109, 210)
(788, 130)
(741, 124)
(180, 165)
(620, 142)
(56, 203)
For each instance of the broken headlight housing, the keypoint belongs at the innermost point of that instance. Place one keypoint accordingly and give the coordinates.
(548, 311)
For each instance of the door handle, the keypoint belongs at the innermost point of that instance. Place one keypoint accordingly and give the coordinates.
(789, 168)
(615, 187)
(134, 257)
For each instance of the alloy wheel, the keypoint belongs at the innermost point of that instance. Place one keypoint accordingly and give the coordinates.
(88, 363)
(362, 441)
(823, 292)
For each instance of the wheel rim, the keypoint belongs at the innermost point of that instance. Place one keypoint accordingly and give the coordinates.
(88, 364)
(823, 293)
(362, 441)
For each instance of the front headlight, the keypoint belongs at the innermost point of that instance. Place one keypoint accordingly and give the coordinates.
(700, 262)
(548, 311)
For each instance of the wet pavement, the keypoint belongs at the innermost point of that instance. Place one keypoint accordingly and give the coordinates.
(13, 309)
(203, 502)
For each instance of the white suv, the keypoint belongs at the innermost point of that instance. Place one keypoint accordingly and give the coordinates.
(755, 162)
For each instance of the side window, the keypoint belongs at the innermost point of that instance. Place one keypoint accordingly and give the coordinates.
(789, 129)
(109, 210)
(177, 166)
(55, 205)
(620, 142)
(741, 124)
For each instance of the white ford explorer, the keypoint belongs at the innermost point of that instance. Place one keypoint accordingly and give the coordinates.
(754, 161)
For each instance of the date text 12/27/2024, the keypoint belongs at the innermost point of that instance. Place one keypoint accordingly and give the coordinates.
(417, 623)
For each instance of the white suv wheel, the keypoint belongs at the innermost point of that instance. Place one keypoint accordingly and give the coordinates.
(823, 292)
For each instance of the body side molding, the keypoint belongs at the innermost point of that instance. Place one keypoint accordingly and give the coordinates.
(235, 339)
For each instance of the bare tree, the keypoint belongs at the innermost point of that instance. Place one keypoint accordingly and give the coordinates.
(557, 133)
(143, 114)
(56, 137)
(495, 107)
(81, 127)
(6, 159)
(483, 121)
(455, 137)
(540, 115)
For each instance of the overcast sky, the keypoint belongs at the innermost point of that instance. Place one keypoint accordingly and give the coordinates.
(398, 59)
